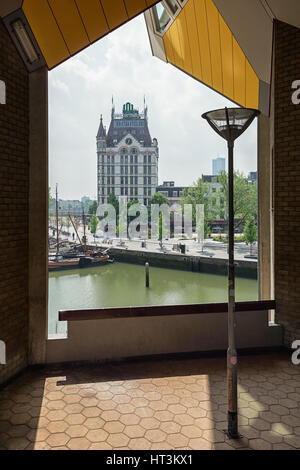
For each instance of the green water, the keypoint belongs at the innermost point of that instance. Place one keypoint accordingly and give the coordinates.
(122, 285)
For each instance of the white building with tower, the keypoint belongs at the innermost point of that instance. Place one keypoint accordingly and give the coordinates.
(127, 157)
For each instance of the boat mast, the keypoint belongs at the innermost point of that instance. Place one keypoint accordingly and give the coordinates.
(74, 226)
(57, 234)
(84, 237)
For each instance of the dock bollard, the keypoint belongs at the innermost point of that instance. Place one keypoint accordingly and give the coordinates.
(147, 275)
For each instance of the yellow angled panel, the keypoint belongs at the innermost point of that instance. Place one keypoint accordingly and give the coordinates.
(177, 55)
(239, 73)
(200, 43)
(169, 47)
(200, 9)
(184, 42)
(115, 12)
(93, 18)
(189, 12)
(70, 24)
(252, 87)
(46, 31)
(134, 7)
(150, 3)
(227, 59)
(215, 46)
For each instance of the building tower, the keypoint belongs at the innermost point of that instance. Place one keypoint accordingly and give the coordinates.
(127, 157)
(218, 166)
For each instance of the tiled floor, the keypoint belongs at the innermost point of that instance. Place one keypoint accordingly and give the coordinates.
(171, 404)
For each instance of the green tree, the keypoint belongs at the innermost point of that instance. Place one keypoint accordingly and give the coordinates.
(196, 195)
(250, 233)
(112, 199)
(94, 225)
(158, 199)
(50, 203)
(93, 208)
(245, 197)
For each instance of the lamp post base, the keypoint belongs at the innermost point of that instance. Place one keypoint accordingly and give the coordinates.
(232, 431)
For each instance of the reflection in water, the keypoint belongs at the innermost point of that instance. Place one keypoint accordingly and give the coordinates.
(122, 285)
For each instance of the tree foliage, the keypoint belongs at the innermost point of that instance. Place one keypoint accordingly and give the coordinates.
(245, 197)
(93, 208)
(250, 232)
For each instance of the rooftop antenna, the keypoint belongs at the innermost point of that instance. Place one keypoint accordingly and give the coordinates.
(145, 108)
(112, 107)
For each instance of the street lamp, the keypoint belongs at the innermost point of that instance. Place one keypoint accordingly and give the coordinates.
(230, 124)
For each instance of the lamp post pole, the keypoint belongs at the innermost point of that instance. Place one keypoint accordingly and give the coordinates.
(231, 352)
(231, 124)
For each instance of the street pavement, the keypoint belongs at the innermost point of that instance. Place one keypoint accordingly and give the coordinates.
(211, 248)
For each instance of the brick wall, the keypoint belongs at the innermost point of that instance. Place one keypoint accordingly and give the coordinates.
(287, 181)
(14, 183)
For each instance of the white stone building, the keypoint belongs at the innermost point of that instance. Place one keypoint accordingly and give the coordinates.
(127, 157)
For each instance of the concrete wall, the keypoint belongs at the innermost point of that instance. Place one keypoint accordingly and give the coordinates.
(107, 340)
(287, 180)
(244, 268)
(14, 193)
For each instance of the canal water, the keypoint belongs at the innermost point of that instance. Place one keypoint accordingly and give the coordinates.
(122, 285)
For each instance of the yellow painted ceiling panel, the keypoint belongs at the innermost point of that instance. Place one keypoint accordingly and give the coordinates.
(46, 31)
(93, 18)
(227, 58)
(134, 7)
(184, 42)
(150, 3)
(215, 45)
(200, 42)
(115, 12)
(169, 47)
(192, 32)
(252, 87)
(201, 17)
(239, 73)
(178, 58)
(70, 24)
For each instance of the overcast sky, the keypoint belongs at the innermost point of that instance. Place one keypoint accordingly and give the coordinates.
(122, 65)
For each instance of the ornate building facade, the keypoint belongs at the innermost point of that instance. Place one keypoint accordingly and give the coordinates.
(127, 157)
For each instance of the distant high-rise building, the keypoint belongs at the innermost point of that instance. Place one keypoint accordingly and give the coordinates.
(127, 157)
(252, 176)
(218, 165)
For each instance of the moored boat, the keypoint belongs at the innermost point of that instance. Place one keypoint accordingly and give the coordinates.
(60, 263)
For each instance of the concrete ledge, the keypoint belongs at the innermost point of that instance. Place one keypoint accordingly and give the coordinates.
(116, 339)
(201, 264)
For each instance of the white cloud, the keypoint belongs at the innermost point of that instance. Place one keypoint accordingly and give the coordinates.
(121, 65)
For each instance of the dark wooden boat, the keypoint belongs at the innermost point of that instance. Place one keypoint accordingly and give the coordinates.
(59, 263)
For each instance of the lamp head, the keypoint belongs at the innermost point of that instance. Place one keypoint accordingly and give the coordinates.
(231, 123)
